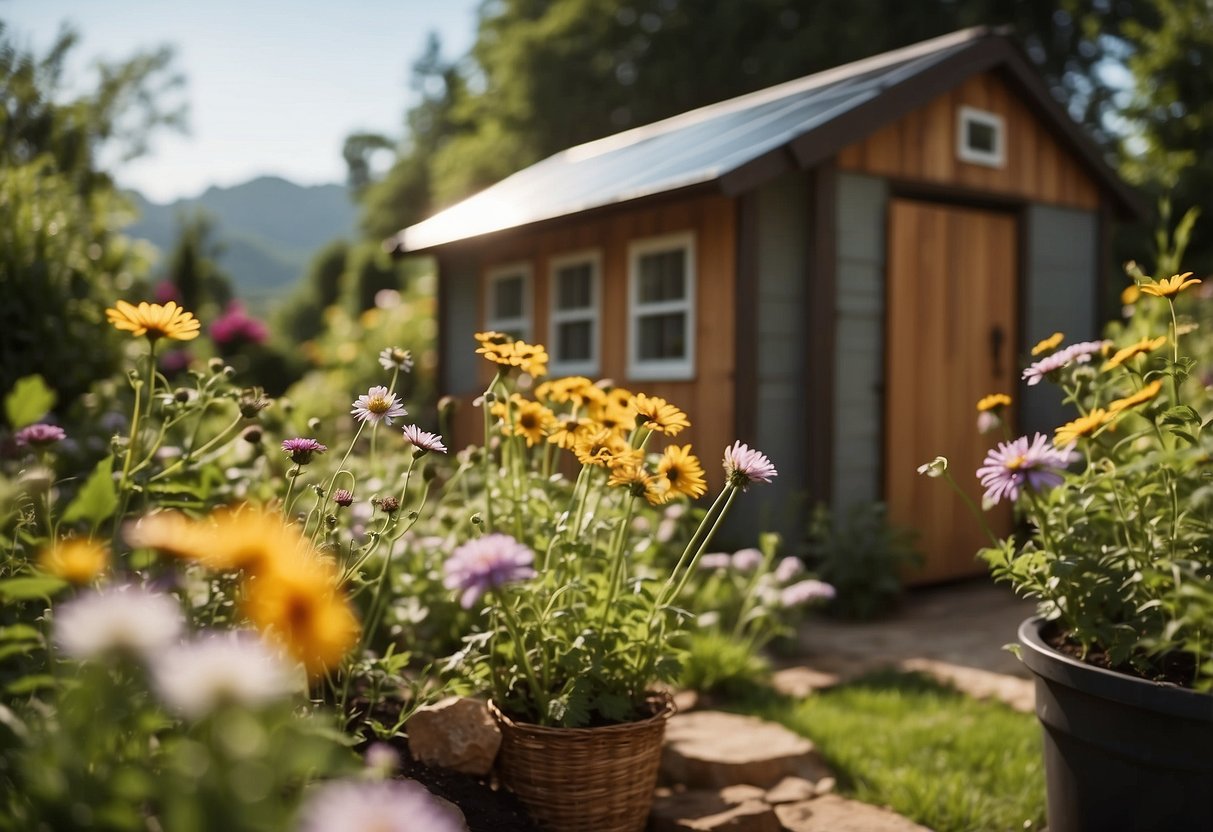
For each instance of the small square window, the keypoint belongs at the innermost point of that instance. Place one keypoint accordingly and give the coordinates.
(508, 300)
(661, 309)
(981, 138)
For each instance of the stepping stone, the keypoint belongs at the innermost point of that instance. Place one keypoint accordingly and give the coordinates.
(792, 790)
(713, 749)
(709, 811)
(799, 682)
(1018, 693)
(837, 814)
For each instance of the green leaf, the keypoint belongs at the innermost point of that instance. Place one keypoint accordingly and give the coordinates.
(29, 684)
(27, 589)
(1181, 415)
(98, 499)
(20, 632)
(28, 401)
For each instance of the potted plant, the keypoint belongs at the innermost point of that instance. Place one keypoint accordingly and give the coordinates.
(578, 629)
(1116, 545)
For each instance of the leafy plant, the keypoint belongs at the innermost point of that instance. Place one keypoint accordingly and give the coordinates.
(862, 557)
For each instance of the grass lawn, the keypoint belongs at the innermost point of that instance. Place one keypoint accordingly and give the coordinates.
(903, 740)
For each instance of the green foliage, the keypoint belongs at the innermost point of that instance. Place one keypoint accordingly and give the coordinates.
(942, 759)
(862, 556)
(717, 662)
(28, 401)
(97, 500)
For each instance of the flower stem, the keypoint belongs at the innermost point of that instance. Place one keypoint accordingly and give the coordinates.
(511, 624)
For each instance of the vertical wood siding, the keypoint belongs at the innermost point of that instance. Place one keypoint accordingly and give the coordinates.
(922, 147)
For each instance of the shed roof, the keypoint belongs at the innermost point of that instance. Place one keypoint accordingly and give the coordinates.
(740, 143)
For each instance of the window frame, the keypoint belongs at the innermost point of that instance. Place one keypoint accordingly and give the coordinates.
(592, 313)
(996, 158)
(665, 369)
(495, 274)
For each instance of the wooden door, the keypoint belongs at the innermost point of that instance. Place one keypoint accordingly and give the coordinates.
(952, 277)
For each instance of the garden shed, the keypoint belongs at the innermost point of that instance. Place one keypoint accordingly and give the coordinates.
(833, 270)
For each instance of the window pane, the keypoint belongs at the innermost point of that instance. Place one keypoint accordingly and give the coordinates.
(980, 136)
(573, 341)
(507, 297)
(662, 276)
(662, 336)
(573, 287)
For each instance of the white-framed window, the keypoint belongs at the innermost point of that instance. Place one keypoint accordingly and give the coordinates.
(507, 300)
(661, 307)
(575, 293)
(981, 137)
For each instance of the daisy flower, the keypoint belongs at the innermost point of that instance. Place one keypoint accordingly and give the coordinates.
(1142, 396)
(382, 805)
(1171, 286)
(424, 441)
(1145, 345)
(657, 414)
(787, 569)
(1048, 344)
(994, 401)
(219, 669)
(76, 561)
(1011, 466)
(39, 435)
(117, 619)
(679, 472)
(395, 358)
(376, 405)
(744, 466)
(1049, 364)
(155, 321)
(302, 450)
(486, 563)
(747, 560)
(1087, 425)
(631, 475)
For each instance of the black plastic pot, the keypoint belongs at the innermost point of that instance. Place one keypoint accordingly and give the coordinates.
(1120, 752)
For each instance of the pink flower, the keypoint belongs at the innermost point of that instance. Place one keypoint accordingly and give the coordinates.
(235, 326)
(1012, 465)
(302, 450)
(804, 592)
(385, 805)
(40, 435)
(424, 441)
(378, 404)
(744, 465)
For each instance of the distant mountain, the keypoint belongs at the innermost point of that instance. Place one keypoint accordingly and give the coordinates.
(269, 229)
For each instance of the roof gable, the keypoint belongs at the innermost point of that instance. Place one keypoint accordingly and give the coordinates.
(742, 142)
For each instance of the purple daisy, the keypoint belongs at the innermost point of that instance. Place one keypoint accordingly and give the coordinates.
(40, 435)
(744, 465)
(1012, 465)
(803, 592)
(378, 404)
(486, 563)
(1084, 351)
(302, 450)
(388, 805)
(1049, 364)
(423, 440)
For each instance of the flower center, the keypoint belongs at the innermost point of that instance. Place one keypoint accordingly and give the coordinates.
(1016, 463)
(378, 404)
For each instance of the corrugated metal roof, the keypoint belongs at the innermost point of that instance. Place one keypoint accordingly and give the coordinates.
(693, 148)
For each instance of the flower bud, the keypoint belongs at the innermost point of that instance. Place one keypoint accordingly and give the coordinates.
(215, 365)
(251, 434)
(477, 520)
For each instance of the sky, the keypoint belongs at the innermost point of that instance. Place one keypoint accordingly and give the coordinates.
(273, 86)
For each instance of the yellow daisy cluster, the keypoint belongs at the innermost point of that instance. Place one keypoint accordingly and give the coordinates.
(288, 589)
(505, 351)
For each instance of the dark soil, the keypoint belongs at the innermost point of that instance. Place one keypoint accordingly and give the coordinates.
(1171, 668)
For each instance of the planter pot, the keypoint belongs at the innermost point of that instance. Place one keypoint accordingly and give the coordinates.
(1120, 752)
(584, 779)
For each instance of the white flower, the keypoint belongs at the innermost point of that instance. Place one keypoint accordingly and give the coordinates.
(395, 358)
(124, 618)
(219, 668)
(747, 560)
(788, 569)
(934, 468)
(384, 806)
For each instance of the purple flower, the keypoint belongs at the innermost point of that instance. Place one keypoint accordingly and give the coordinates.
(716, 560)
(747, 560)
(40, 435)
(803, 592)
(235, 326)
(423, 440)
(1083, 351)
(342, 497)
(302, 450)
(378, 404)
(744, 465)
(1079, 353)
(1012, 465)
(486, 563)
(394, 358)
(788, 569)
(387, 805)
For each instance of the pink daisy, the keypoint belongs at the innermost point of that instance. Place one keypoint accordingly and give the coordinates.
(423, 440)
(744, 465)
(378, 404)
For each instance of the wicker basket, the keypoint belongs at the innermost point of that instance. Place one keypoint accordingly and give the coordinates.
(584, 779)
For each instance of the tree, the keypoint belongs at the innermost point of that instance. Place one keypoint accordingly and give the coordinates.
(192, 266)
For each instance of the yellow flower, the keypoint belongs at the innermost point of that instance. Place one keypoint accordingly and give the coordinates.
(532, 359)
(640, 482)
(994, 401)
(1171, 286)
(1142, 346)
(657, 414)
(599, 448)
(1048, 344)
(618, 419)
(567, 431)
(1082, 426)
(77, 561)
(154, 321)
(230, 539)
(1130, 296)
(679, 472)
(299, 603)
(1140, 397)
(532, 421)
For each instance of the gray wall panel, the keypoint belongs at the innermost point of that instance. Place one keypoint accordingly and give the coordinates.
(459, 324)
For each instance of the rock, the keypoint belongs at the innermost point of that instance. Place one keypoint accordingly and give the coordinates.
(836, 814)
(708, 810)
(825, 785)
(1014, 691)
(793, 790)
(734, 795)
(456, 733)
(799, 682)
(685, 700)
(712, 749)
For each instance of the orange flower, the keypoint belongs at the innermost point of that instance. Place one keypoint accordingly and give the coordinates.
(76, 561)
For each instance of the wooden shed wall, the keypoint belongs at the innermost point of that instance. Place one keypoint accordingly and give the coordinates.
(921, 147)
(708, 397)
